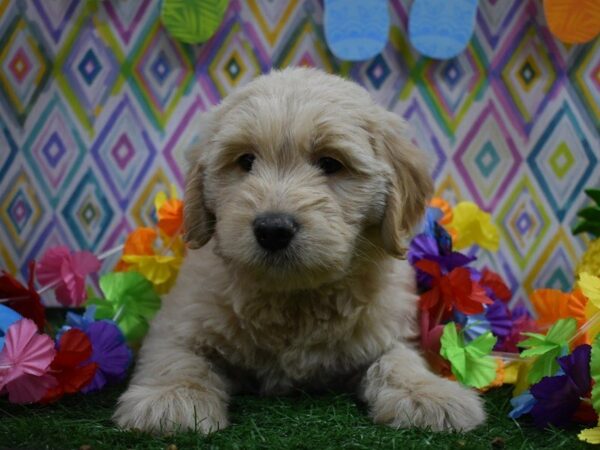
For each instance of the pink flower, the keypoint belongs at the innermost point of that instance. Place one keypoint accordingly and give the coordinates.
(67, 271)
(24, 362)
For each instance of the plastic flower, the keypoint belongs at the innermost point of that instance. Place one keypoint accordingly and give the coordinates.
(69, 367)
(473, 325)
(547, 348)
(499, 318)
(474, 226)
(453, 290)
(139, 255)
(169, 212)
(24, 362)
(590, 287)
(23, 299)
(130, 301)
(471, 363)
(444, 207)
(109, 353)
(67, 271)
(558, 397)
(522, 322)
(552, 305)
(590, 435)
(7, 318)
(495, 284)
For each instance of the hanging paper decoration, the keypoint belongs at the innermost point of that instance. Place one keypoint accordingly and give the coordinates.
(356, 30)
(193, 21)
(573, 21)
(441, 29)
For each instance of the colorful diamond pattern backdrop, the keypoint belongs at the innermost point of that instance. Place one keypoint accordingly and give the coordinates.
(98, 103)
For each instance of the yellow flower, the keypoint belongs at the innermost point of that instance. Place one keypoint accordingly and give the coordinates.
(161, 271)
(473, 226)
(590, 435)
(590, 286)
(590, 261)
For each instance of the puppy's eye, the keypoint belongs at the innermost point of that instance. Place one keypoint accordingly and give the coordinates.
(329, 165)
(245, 161)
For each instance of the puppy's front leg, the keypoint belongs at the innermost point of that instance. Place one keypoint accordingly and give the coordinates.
(402, 392)
(173, 389)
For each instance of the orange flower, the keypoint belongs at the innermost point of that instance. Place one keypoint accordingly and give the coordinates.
(170, 216)
(444, 206)
(552, 305)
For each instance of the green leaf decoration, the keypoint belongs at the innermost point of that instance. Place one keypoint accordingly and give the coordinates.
(471, 363)
(129, 300)
(590, 215)
(594, 194)
(193, 21)
(546, 348)
(595, 372)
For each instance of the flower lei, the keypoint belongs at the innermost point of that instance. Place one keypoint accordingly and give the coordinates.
(93, 349)
(468, 331)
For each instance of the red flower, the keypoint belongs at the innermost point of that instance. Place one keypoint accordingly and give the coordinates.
(74, 348)
(24, 300)
(456, 289)
(493, 281)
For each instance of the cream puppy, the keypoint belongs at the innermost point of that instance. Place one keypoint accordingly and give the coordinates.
(299, 202)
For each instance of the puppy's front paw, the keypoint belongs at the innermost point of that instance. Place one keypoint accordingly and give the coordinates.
(166, 409)
(438, 404)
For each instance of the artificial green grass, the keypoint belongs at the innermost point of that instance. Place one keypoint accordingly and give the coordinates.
(330, 421)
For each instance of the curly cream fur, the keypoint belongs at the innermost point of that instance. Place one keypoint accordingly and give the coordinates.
(335, 309)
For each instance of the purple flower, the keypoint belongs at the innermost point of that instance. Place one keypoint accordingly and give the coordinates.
(558, 397)
(432, 215)
(110, 352)
(499, 317)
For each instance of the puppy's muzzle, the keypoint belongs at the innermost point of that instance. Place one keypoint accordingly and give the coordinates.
(274, 231)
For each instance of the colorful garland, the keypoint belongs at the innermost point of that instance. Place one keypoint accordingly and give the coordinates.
(93, 349)
(468, 332)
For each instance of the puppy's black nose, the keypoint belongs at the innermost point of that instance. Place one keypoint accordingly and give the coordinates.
(274, 231)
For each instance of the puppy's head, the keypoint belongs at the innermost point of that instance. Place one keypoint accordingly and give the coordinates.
(297, 172)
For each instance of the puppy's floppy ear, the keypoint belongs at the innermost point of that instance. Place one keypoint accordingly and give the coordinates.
(198, 221)
(410, 188)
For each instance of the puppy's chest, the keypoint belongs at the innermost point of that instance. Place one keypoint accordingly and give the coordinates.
(299, 339)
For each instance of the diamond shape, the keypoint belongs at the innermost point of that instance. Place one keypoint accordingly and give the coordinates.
(182, 138)
(55, 16)
(523, 222)
(272, 17)
(524, 75)
(425, 135)
(584, 75)
(555, 267)
(162, 72)
(123, 151)
(487, 158)
(20, 210)
(143, 209)
(25, 68)
(231, 61)
(88, 212)
(451, 86)
(89, 67)
(561, 160)
(89, 72)
(378, 71)
(54, 150)
(127, 17)
(571, 166)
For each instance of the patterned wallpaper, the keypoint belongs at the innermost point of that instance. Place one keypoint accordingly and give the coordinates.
(97, 104)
